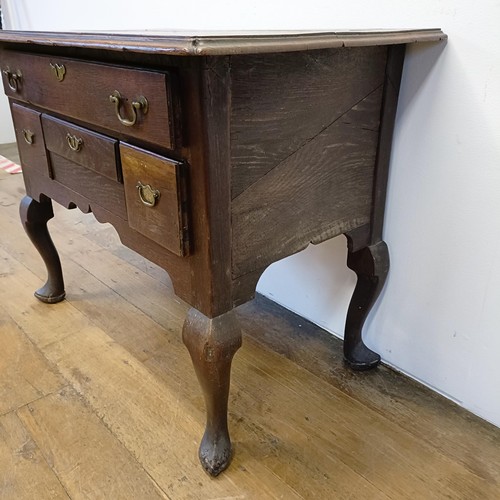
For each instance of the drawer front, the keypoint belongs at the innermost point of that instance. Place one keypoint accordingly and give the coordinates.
(154, 188)
(89, 149)
(30, 141)
(140, 106)
(99, 190)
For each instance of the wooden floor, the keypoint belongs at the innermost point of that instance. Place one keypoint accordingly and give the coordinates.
(98, 398)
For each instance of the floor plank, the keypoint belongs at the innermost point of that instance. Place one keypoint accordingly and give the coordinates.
(24, 473)
(25, 374)
(88, 460)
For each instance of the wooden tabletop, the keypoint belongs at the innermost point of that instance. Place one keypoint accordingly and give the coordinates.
(199, 43)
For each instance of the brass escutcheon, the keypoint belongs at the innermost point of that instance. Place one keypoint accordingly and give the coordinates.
(74, 142)
(29, 136)
(13, 78)
(140, 104)
(147, 194)
(59, 71)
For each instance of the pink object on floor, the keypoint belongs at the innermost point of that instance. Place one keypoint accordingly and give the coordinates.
(9, 166)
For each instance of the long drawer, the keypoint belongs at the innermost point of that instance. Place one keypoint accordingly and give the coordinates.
(130, 101)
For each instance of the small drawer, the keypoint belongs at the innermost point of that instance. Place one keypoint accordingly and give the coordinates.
(132, 102)
(154, 192)
(30, 140)
(89, 149)
(97, 189)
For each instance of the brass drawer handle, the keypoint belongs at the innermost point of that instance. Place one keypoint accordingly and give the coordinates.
(29, 136)
(74, 142)
(147, 194)
(59, 71)
(13, 78)
(141, 104)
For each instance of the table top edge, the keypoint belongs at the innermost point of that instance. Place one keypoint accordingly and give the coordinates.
(220, 43)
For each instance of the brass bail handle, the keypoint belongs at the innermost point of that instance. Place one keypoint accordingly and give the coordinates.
(140, 104)
(59, 71)
(74, 142)
(147, 194)
(13, 78)
(29, 136)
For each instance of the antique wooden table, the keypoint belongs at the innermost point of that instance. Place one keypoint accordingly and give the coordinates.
(212, 155)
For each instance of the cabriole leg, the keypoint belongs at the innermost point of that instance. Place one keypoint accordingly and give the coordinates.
(371, 265)
(212, 344)
(34, 216)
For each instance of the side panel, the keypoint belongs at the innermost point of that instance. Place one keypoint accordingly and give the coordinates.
(304, 136)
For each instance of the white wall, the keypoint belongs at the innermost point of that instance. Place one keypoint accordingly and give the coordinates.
(438, 318)
(6, 128)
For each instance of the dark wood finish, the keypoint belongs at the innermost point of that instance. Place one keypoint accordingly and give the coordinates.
(179, 268)
(84, 93)
(101, 190)
(215, 94)
(268, 122)
(256, 155)
(393, 73)
(33, 156)
(371, 265)
(97, 152)
(166, 222)
(212, 344)
(244, 287)
(358, 238)
(290, 206)
(34, 216)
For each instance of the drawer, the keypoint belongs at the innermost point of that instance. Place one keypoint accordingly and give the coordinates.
(97, 189)
(30, 141)
(89, 149)
(154, 193)
(141, 106)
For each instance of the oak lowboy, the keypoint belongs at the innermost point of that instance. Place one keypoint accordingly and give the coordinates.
(212, 155)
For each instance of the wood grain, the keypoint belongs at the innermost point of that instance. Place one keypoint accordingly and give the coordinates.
(320, 191)
(88, 460)
(215, 94)
(24, 473)
(280, 102)
(426, 415)
(98, 152)
(101, 190)
(166, 222)
(25, 374)
(84, 93)
(33, 156)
